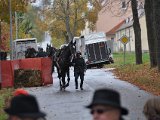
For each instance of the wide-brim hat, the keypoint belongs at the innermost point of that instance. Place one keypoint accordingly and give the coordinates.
(25, 106)
(107, 97)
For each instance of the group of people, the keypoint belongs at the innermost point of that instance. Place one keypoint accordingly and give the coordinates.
(105, 105)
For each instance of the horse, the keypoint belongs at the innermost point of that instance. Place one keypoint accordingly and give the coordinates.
(64, 62)
(54, 54)
(30, 53)
(51, 52)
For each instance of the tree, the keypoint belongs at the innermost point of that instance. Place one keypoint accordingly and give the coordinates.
(156, 16)
(68, 17)
(32, 24)
(150, 32)
(18, 5)
(137, 32)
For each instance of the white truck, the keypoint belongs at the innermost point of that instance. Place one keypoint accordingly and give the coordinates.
(21, 45)
(95, 48)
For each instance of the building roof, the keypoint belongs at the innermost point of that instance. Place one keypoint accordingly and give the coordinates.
(130, 23)
(125, 25)
(115, 28)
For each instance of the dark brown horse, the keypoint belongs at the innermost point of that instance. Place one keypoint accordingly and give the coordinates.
(64, 62)
(51, 52)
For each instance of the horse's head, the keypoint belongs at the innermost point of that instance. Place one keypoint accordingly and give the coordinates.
(49, 50)
(72, 47)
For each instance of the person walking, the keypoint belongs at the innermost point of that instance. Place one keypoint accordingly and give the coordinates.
(79, 69)
(106, 105)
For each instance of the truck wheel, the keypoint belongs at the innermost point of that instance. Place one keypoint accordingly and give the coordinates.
(88, 67)
(100, 66)
(111, 60)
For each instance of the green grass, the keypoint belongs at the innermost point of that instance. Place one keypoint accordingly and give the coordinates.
(5, 95)
(129, 59)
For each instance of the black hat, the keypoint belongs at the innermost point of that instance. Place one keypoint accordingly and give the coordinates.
(107, 97)
(24, 106)
(78, 53)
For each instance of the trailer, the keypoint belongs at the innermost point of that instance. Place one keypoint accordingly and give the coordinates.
(95, 49)
(21, 45)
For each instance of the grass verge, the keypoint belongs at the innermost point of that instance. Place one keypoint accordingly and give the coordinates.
(5, 95)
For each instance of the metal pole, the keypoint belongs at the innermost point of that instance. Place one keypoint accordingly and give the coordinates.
(0, 59)
(124, 54)
(16, 25)
(11, 47)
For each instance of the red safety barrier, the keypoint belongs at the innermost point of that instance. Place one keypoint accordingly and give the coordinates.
(7, 74)
(42, 64)
(15, 65)
(30, 63)
(46, 65)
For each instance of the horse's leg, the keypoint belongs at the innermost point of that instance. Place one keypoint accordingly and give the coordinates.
(60, 84)
(53, 64)
(63, 79)
(68, 77)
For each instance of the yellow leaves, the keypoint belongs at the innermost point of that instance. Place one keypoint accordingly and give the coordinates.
(92, 16)
(16, 5)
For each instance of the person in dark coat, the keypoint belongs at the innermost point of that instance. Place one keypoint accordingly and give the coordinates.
(106, 105)
(79, 69)
(41, 53)
(24, 107)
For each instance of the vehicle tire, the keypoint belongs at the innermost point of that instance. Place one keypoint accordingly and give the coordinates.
(88, 67)
(100, 66)
(111, 60)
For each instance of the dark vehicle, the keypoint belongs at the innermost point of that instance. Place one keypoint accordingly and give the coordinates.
(95, 49)
(98, 54)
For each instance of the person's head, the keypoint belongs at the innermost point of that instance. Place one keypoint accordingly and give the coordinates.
(24, 107)
(78, 54)
(106, 105)
(152, 109)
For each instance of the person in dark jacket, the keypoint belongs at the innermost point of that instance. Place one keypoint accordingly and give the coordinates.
(41, 53)
(106, 105)
(79, 69)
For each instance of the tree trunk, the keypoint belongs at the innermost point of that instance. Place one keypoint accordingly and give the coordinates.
(69, 33)
(150, 32)
(67, 22)
(66, 37)
(156, 11)
(137, 31)
(0, 58)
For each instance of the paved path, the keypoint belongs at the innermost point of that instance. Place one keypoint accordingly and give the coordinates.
(69, 104)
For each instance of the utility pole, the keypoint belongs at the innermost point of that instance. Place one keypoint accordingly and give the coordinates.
(16, 22)
(11, 47)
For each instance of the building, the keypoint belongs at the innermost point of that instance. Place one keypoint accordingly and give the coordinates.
(127, 29)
